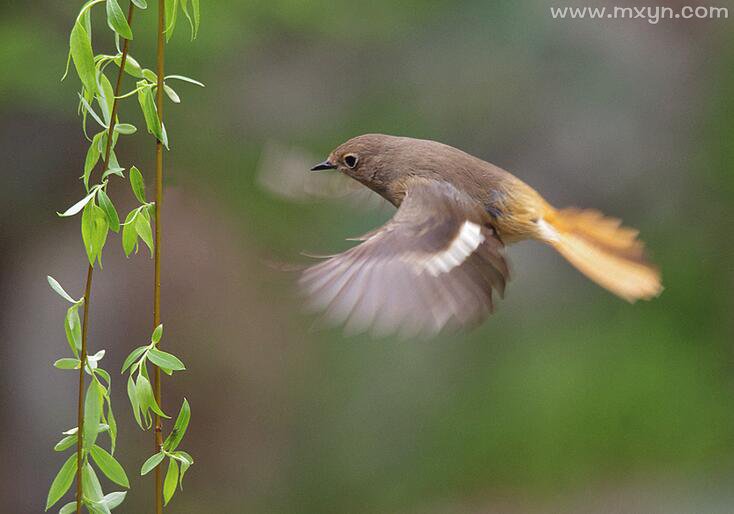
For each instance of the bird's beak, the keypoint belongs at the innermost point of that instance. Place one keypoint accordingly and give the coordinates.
(326, 165)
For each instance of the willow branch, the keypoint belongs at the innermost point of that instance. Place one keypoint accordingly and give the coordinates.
(88, 285)
(80, 404)
(158, 432)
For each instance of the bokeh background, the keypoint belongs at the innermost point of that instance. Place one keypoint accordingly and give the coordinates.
(566, 400)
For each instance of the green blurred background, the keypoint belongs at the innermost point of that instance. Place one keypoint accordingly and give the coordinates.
(566, 400)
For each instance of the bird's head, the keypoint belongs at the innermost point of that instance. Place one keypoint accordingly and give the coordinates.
(369, 158)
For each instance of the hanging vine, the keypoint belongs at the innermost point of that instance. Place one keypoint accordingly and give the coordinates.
(98, 105)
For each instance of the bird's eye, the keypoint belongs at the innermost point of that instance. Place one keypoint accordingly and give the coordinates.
(350, 160)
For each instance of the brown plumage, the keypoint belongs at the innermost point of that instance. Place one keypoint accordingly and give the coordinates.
(437, 262)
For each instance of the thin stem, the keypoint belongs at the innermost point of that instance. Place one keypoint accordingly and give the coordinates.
(88, 286)
(80, 404)
(158, 433)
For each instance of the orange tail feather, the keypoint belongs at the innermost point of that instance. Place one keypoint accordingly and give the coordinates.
(603, 250)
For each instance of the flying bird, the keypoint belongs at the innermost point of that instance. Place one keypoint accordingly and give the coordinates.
(438, 262)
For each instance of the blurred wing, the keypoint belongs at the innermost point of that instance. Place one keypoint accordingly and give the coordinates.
(434, 264)
(283, 171)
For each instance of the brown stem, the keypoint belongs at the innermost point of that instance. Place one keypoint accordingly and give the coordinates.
(88, 286)
(158, 432)
(80, 404)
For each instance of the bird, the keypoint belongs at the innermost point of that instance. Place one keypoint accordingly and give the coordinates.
(438, 263)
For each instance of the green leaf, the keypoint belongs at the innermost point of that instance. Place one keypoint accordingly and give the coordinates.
(90, 483)
(129, 234)
(66, 442)
(73, 329)
(165, 360)
(88, 231)
(117, 21)
(114, 499)
(134, 403)
(69, 508)
(134, 355)
(179, 428)
(96, 507)
(67, 363)
(185, 8)
(88, 108)
(102, 373)
(102, 428)
(109, 210)
(183, 456)
(185, 461)
(91, 159)
(109, 466)
(92, 414)
(197, 16)
(150, 75)
(171, 10)
(147, 210)
(60, 290)
(151, 463)
(83, 12)
(140, 4)
(101, 228)
(142, 227)
(146, 398)
(137, 184)
(185, 79)
(193, 22)
(101, 138)
(112, 423)
(113, 164)
(81, 109)
(164, 136)
(113, 171)
(105, 97)
(94, 231)
(62, 482)
(80, 47)
(86, 16)
(150, 113)
(157, 334)
(125, 129)
(169, 484)
(66, 69)
(171, 94)
(132, 67)
(71, 211)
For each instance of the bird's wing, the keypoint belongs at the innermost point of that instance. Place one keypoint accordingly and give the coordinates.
(436, 263)
(280, 171)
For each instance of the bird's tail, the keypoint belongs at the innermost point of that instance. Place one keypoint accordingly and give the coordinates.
(603, 250)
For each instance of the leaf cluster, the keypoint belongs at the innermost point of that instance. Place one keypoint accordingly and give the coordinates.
(144, 405)
(98, 418)
(98, 102)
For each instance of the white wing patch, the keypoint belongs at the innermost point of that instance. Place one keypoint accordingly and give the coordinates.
(467, 240)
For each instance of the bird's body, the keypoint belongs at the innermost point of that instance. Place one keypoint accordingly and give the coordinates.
(514, 205)
(455, 212)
